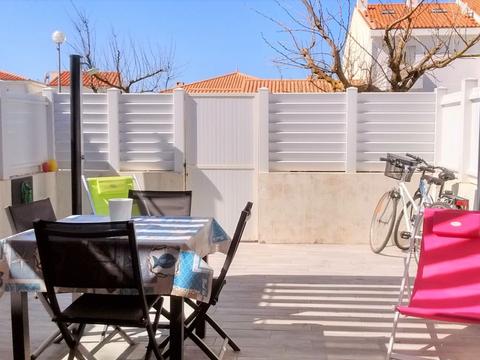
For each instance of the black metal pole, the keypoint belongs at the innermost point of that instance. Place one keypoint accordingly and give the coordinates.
(75, 134)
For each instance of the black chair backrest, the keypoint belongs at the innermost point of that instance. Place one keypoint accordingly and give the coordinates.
(22, 216)
(162, 203)
(232, 250)
(88, 255)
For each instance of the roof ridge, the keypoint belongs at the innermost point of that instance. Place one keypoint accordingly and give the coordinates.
(305, 79)
(222, 76)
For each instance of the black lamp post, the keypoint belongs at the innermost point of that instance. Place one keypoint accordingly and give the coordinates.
(75, 133)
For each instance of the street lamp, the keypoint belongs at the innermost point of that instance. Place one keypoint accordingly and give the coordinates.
(59, 38)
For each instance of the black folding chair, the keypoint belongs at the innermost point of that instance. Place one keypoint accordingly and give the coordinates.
(95, 256)
(22, 216)
(162, 203)
(200, 310)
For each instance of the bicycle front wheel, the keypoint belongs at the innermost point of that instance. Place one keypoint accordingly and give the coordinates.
(401, 226)
(382, 221)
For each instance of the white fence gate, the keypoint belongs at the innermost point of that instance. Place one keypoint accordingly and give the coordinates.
(221, 158)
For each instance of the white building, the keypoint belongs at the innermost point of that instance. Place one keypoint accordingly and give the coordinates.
(365, 53)
(16, 84)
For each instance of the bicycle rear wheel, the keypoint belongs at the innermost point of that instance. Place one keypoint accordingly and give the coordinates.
(383, 220)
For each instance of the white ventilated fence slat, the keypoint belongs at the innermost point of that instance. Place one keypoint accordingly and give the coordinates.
(94, 128)
(307, 132)
(146, 132)
(394, 122)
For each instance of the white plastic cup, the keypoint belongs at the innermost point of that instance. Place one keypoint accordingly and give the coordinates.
(120, 209)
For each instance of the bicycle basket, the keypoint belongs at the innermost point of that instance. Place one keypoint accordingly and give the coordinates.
(399, 168)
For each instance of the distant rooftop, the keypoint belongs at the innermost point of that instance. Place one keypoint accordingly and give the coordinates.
(427, 16)
(5, 75)
(238, 82)
(474, 5)
(89, 80)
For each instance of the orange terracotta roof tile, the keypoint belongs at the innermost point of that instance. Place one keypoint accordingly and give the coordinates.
(4, 75)
(427, 16)
(243, 83)
(89, 80)
(233, 82)
(474, 5)
(288, 86)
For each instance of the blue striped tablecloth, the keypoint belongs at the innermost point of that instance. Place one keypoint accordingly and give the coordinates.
(170, 251)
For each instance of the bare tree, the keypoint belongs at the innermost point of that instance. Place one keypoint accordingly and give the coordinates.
(320, 41)
(140, 68)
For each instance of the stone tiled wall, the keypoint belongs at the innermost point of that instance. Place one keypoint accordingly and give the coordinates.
(294, 207)
(307, 207)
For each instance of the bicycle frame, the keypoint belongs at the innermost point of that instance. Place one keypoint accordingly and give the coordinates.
(418, 209)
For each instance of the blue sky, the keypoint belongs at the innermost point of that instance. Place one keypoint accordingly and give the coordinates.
(211, 37)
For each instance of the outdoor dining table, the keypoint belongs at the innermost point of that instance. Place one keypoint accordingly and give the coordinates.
(170, 251)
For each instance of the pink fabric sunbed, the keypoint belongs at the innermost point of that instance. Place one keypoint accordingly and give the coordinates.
(447, 286)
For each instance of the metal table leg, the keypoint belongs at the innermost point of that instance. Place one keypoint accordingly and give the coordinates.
(176, 328)
(200, 328)
(20, 330)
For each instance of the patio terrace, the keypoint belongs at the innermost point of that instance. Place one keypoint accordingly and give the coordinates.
(294, 302)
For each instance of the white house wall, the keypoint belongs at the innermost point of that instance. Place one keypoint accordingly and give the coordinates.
(358, 48)
(449, 77)
(369, 41)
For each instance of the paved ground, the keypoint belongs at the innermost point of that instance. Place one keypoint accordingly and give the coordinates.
(296, 302)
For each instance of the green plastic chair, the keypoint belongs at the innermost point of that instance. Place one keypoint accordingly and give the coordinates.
(102, 189)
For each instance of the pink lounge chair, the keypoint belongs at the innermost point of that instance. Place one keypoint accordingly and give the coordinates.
(447, 285)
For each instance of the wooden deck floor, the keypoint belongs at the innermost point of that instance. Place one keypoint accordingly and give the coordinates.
(295, 302)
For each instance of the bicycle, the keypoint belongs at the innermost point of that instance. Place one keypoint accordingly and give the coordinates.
(385, 214)
(444, 199)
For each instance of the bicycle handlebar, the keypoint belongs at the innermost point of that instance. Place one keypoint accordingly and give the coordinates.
(417, 159)
(428, 168)
(446, 174)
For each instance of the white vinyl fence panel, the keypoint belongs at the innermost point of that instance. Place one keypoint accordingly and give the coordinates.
(221, 165)
(458, 128)
(94, 127)
(394, 123)
(146, 132)
(473, 133)
(24, 134)
(348, 131)
(120, 131)
(307, 132)
(450, 134)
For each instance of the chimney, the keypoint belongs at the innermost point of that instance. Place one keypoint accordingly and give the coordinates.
(362, 5)
(411, 3)
(180, 83)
